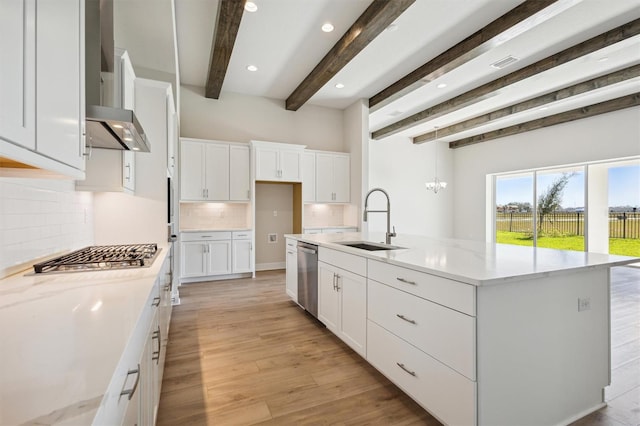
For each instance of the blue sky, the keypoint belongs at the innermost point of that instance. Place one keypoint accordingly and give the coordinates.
(624, 188)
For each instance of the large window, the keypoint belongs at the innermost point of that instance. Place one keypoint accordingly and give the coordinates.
(548, 208)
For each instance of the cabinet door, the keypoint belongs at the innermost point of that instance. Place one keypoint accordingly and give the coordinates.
(328, 297)
(219, 258)
(216, 172)
(194, 262)
(242, 256)
(172, 142)
(341, 178)
(324, 178)
(18, 71)
(309, 177)
(239, 173)
(267, 167)
(191, 170)
(353, 310)
(60, 80)
(292, 274)
(290, 162)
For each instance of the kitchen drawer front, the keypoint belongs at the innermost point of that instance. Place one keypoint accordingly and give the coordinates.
(450, 293)
(346, 261)
(203, 236)
(445, 334)
(241, 235)
(292, 244)
(449, 396)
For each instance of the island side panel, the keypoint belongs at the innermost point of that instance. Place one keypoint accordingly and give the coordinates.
(541, 360)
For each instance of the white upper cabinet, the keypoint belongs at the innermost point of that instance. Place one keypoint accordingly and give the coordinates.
(17, 72)
(42, 103)
(60, 102)
(328, 175)
(239, 173)
(278, 161)
(309, 177)
(214, 171)
(172, 130)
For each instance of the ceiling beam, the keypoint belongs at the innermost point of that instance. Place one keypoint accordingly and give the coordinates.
(623, 102)
(494, 87)
(227, 24)
(503, 29)
(378, 16)
(540, 101)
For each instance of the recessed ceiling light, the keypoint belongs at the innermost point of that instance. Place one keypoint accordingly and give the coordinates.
(135, 148)
(603, 59)
(327, 28)
(441, 85)
(128, 139)
(252, 68)
(339, 86)
(250, 6)
(544, 108)
(118, 126)
(392, 27)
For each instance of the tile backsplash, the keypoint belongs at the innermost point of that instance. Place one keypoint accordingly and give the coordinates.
(214, 216)
(321, 215)
(41, 217)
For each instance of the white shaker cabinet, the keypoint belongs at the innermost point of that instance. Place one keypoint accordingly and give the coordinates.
(18, 76)
(239, 173)
(308, 177)
(292, 269)
(242, 252)
(206, 254)
(332, 178)
(278, 161)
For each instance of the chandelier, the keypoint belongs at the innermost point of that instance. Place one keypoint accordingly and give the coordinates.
(436, 185)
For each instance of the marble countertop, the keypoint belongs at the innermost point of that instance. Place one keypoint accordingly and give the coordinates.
(471, 262)
(62, 336)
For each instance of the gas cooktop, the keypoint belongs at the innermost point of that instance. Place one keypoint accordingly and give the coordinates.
(98, 258)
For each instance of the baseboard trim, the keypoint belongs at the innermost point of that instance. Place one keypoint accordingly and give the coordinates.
(270, 266)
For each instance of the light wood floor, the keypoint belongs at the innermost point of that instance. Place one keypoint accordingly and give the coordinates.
(240, 352)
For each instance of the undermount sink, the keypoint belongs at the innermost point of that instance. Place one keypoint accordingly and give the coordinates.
(366, 245)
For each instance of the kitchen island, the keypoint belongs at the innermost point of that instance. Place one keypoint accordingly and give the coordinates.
(479, 334)
(70, 340)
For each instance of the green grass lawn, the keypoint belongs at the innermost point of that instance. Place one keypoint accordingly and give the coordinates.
(620, 246)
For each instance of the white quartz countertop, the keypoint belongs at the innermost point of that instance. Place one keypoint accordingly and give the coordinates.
(471, 262)
(61, 337)
(214, 229)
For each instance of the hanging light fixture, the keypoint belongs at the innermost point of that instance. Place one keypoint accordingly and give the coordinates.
(437, 184)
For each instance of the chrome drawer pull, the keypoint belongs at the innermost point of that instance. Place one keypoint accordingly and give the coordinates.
(413, 373)
(156, 301)
(406, 281)
(131, 391)
(402, 317)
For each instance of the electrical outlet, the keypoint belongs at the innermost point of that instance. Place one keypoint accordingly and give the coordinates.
(584, 304)
(275, 213)
(272, 238)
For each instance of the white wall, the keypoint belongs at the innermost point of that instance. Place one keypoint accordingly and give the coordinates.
(40, 218)
(603, 137)
(402, 168)
(241, 118)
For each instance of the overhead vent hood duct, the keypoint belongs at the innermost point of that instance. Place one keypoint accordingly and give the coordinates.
(108, 126)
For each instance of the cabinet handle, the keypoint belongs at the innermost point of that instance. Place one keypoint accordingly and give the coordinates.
(156, 301)
(338, 282)
(155, 356)
(406, 281)
(128, 167)
(334, 281)
(206, 236)
(131, 391)
(203, 194)
(402, 317)
(413, 373)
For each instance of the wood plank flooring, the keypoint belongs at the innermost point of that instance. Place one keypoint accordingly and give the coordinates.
(241, 353)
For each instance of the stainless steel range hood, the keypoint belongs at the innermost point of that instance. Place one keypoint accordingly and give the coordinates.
(108, 126)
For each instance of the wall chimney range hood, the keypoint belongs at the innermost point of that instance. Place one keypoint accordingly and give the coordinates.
(108, 126)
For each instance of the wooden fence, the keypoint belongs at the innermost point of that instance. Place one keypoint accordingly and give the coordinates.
(621, 225)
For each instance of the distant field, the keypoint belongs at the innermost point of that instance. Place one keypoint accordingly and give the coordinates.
(620, 246)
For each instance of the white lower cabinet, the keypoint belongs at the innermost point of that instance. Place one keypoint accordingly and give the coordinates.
(213, 254)
(292, 269)
(446, 394)
(342, 305)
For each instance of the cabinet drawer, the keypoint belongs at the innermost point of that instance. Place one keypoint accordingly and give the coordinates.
(443, 392)
(450, 293)
(445, 334)
(292, 244)
(346, 261)
(203, 236)
(241, 235)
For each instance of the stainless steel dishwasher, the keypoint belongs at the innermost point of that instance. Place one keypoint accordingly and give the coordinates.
(308, 277)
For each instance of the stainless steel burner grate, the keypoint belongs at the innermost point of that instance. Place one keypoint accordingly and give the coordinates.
(100, 258)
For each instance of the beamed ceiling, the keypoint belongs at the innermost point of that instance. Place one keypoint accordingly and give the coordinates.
(421, 64)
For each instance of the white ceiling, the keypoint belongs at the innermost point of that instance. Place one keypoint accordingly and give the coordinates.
(283, 39)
